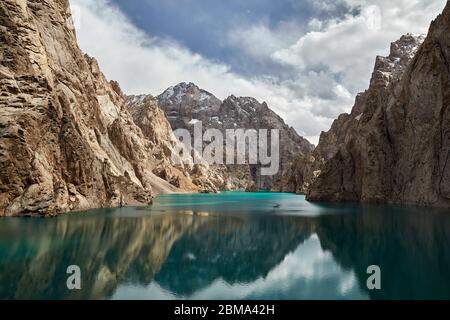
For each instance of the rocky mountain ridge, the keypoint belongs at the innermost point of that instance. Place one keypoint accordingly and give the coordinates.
(186, 104)
(394, 147)
(306, 168)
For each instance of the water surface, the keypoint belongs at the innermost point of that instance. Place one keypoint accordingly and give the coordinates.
(229, 246)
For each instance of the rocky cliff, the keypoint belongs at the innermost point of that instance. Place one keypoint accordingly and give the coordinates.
(67, 140)
(394, 147)
(185, 104)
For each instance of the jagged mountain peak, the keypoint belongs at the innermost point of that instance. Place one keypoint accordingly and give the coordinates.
(407, 45)
(391, 68)
(185, 104)
(242, 100)
(394, 147)
(186, 91)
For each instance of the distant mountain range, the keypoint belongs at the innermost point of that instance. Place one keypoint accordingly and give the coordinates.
(186, 104)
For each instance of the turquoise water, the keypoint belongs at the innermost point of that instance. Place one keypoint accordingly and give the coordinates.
(229, 246)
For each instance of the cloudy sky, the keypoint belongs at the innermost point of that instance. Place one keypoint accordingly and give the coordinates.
(306, 58)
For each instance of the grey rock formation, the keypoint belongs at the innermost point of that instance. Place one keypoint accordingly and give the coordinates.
(306, 168)
(394, 147)
(185, 104)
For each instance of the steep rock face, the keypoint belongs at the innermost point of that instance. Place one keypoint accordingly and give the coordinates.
(297, 177)
(306, 168)
(395, 145)
(67, 141)
(186, 104)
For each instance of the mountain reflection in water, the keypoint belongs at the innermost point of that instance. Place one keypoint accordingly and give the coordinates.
(229, 246)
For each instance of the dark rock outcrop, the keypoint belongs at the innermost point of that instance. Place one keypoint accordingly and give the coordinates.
(394, 147)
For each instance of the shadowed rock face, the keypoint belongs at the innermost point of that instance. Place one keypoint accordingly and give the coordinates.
(348, 128)
(67, 142)
(395, 145)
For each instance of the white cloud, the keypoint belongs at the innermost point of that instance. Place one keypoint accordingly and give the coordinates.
(332, 63)
(260, 41)
(348, 47)
(145, 64)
